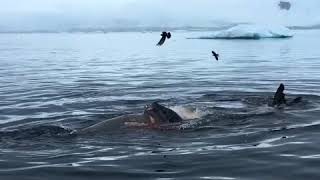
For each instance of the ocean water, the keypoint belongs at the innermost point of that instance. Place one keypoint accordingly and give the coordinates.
(52, 84)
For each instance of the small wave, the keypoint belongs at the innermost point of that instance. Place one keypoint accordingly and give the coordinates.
(36, 132)
(251, 31)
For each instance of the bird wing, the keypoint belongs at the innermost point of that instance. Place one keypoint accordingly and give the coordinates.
(163, 38)
(215, 55)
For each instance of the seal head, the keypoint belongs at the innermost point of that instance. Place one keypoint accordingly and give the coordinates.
(156, 113)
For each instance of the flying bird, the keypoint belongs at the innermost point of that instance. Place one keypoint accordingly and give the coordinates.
(215, 55)
(164, 35)
(284, 5)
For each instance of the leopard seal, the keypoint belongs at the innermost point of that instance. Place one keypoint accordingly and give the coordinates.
(153, 116)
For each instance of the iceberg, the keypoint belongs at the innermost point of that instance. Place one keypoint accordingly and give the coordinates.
(251, 31)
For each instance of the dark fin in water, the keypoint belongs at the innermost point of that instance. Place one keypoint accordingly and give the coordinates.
(279, 96)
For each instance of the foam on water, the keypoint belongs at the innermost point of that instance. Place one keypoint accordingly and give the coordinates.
(188, 113)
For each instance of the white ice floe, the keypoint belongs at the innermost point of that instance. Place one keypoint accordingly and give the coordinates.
(251, 31)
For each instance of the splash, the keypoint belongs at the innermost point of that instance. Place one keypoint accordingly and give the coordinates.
(188, 113)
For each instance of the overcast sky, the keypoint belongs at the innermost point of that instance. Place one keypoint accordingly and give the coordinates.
(65, 14)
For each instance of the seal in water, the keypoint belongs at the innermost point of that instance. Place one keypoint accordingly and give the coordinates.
(164, 35)
(279, 98)
(153, 116)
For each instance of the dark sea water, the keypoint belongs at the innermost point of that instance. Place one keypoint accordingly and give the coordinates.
(52, 84)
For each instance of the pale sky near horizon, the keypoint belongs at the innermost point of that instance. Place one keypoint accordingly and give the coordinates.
(16, 14)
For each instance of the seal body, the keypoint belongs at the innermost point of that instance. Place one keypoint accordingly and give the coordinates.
(153, 116)
(112, 124)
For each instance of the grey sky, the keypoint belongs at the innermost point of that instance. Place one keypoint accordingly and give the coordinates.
(64, 14)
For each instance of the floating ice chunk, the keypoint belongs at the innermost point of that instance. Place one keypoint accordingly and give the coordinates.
(251, 31)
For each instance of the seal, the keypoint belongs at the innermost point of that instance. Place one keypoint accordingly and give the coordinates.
(154, 116)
